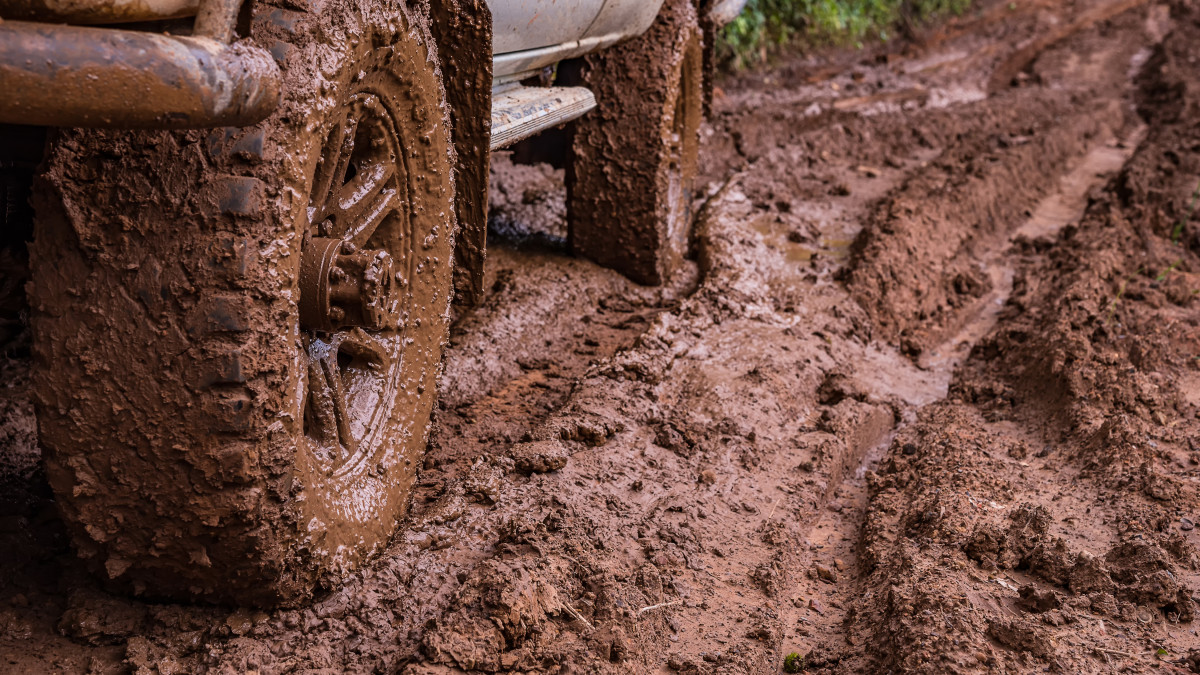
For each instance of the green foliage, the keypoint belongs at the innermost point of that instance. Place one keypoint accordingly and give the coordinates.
(793, 663)
(1177, 234)
(766, 25)
(1177, 231)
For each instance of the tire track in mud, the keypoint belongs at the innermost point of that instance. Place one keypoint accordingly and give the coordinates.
(981, 550)
(819, 607)
(841, 528)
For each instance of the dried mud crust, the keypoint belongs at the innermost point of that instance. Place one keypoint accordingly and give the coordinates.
(170, 378)
(634, 159)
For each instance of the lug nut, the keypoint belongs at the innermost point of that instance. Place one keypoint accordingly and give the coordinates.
(343, 286)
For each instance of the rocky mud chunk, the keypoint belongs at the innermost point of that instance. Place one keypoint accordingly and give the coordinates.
(539, 456)
(502, 612)
(98, 618)
(1022, 636)
(1144, 574)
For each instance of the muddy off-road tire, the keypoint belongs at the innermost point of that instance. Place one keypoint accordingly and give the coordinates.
(203, 439)
(634, 159)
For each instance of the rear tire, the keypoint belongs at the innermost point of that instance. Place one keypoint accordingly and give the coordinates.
(204, 439)
(634, 159)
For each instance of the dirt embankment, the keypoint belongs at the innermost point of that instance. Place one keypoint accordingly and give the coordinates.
(927, 402)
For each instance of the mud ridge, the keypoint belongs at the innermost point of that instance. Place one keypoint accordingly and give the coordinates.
(1045, 506)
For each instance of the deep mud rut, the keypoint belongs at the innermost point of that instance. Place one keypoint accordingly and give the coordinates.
(928, 401)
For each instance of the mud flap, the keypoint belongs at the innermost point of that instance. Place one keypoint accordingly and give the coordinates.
(463, 31)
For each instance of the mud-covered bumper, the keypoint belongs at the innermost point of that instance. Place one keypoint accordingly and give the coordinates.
(80, 76)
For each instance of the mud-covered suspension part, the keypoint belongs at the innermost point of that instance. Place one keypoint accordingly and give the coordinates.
(93, 13)
(79, 76)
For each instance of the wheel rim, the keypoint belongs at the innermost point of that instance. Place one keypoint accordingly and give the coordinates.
(356, 213)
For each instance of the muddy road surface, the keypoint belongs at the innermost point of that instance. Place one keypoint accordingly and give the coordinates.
(928, 400)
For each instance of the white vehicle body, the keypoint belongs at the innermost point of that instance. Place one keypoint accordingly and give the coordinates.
(531, 34)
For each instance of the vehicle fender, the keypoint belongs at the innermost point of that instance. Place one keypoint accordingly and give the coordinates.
(462, 30)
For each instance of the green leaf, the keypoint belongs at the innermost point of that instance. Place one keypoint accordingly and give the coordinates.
(766, 26)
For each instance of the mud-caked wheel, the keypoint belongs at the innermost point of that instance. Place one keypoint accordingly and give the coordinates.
(238, 332)
(634, 159)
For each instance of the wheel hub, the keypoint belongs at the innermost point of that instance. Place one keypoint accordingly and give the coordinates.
(342, 286)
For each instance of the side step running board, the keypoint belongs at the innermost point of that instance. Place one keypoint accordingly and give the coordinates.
(520, 112)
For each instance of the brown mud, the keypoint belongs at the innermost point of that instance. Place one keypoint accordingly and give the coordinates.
(927, 401)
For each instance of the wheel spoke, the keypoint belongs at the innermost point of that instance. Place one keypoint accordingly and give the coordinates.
(361, 344)
(320, 404)
(327, 396)
(364, 201)
(383, 205)
(332, 174)
(341, 410)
